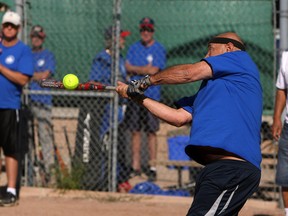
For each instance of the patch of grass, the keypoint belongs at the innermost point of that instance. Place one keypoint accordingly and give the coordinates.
(69, 180)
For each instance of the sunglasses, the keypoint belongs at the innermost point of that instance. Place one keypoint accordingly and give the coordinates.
(6, 25)
(146, 29)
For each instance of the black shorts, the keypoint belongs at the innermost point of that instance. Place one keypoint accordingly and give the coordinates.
(138, 118)
(9, 126)
(223, 187)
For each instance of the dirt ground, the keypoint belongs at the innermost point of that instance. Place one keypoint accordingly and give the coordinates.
(50, 202)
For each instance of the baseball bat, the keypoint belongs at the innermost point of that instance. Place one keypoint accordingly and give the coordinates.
(48, 83)
(60, 161)
(57, 155)
(67, 142)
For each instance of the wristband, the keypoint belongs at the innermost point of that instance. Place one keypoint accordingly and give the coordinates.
(145, 83)
(134, 89)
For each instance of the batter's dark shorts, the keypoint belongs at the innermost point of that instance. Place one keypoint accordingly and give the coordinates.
(137, 118)
(9, 127)
(223, 187)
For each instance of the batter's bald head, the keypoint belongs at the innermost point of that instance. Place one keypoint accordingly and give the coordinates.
(229, 37)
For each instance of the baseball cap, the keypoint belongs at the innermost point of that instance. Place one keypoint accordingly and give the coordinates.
(37, 31)
(11, 17)
(109, 32)
(147, 22)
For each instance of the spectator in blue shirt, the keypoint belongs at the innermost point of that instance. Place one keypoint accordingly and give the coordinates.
(145, 57)
(94, 121)
(41, 105)
(16, 69)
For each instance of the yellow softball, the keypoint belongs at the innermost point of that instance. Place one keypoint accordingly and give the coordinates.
(70, 81)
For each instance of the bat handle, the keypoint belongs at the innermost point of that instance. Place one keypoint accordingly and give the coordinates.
(112, 88)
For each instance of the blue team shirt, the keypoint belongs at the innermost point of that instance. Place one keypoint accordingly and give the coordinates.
(42, 60)
(17, 58)
(227, 109)
(101, 71)
(139, 55)
(102, 67)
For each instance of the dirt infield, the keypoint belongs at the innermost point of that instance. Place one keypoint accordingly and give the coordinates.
(49, 202)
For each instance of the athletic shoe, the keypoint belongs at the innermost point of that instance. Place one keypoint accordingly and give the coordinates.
(8, 199)
(152, 175)
(124, 187)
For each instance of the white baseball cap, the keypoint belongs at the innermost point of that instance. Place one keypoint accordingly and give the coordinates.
(11, 17)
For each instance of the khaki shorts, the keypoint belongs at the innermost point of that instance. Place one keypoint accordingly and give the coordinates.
(282, 165)
(137, 118)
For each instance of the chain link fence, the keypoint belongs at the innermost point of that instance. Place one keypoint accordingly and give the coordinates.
(87, 129)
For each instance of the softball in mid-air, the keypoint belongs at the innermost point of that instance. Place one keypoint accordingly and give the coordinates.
(70, 81)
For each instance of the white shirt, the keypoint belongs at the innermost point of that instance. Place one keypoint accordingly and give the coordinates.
(282, 80)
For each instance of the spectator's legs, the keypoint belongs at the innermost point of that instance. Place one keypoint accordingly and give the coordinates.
(282, 165)
(45, 131)
(9, 198)
(0, 162)
(12, 171)
(285, 199)
(152, 145)
(136, 149)
(9, 135)
(4, 187)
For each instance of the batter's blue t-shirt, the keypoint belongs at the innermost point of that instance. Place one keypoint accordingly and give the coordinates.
(17, 58)
(42, 60)
(227, 109)
(140, 55)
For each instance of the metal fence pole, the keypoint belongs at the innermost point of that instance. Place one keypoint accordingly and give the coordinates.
(115, 71)
(283, 25)
(19, 8)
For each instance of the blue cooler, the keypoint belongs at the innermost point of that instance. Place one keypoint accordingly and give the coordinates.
(176, 148)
